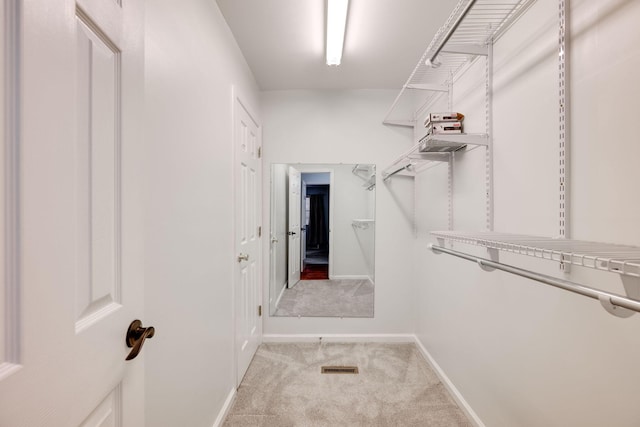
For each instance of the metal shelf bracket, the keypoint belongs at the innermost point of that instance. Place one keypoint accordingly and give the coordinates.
(494, 255)
(616, 310)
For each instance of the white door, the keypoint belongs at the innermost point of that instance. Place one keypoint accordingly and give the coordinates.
(247, 293)
(293, 225)
(74, 226)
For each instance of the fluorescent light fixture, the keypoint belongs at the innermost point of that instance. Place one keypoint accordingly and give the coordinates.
(336, 25)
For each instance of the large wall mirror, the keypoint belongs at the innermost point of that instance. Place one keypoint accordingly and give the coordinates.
(322, 240)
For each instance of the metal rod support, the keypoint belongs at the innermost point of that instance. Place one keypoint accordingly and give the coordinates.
(452, 30)
(396, 171)
(614, 299)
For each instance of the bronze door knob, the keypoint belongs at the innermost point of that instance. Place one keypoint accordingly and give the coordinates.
(136, 335)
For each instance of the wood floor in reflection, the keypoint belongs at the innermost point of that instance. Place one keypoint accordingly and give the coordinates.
(315, 272)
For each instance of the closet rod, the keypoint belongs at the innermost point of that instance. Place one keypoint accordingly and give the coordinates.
(614, 299)
(454, 27)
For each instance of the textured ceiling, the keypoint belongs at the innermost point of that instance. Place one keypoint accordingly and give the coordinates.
(283, 41)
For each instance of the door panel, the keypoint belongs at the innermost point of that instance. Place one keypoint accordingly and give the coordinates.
(98, 291)
(294, 226)
(79, 233)
(247, 293)
(108, 413)
(109, 158)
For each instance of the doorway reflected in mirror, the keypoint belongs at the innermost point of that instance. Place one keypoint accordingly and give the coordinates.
(315, 230)
(322, 240)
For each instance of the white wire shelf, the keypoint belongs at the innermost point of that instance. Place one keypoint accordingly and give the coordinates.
(432, 148)
(610, 257)
(462, 39)
(451, 142)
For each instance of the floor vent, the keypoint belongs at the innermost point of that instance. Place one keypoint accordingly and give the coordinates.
(339, 370)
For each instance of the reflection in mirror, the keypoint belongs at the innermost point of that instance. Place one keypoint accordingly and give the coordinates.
(322, 240)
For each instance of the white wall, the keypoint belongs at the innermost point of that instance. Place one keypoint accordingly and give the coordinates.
(365, 236)
(192, 61)
(345, 126)
(523, 354)
(351, 202)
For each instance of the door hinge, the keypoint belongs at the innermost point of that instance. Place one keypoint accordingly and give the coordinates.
(260, 231)
(259, 311)
(259, 152)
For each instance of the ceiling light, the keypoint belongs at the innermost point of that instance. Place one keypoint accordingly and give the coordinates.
(336, 25)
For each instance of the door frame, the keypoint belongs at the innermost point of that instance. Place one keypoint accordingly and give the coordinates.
(303, 226)
(238, 100)
(294, 233)
(331, 205)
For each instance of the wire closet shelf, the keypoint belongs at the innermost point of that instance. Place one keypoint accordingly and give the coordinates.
(470, 28)
(432, 148)
(621, 259)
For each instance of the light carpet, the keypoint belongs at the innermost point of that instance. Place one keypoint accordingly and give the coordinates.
(395, 387)
(327, 298)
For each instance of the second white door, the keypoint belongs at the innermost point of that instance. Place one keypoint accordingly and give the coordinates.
(294, 226)
(247, 293)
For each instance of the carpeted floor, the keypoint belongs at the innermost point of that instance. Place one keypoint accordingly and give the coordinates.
(327, 298)
(395, 387)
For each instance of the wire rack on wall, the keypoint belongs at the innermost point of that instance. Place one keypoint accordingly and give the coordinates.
(433, 148)
(471, 27)
(622, 259)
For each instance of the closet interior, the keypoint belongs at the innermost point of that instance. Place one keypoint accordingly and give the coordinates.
(466, 41)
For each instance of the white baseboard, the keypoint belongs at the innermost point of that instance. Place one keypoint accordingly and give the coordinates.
(370, 280)
(396, 338)
(453, 391)
(225, 408)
